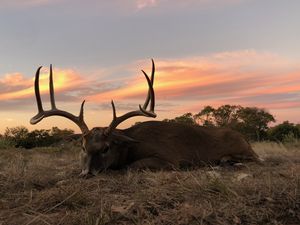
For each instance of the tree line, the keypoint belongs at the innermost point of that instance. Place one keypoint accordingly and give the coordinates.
(252, 122)
(21, 137)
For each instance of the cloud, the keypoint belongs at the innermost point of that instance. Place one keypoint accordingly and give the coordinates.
(242, 77)
(247, 78)
(131, 5)
(24, 3)
(15, 86)
(141, 4)
(12, 82)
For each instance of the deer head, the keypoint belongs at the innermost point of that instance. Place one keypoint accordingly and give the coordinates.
(102, 147)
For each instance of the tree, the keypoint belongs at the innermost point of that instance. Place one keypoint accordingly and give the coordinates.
(39, 138)
(186, 118)
(250, 121)
(226, 115)
(253, 122)
(59, 134)
(205, 116)
(21, 137)
(284, 131)
(17, 136)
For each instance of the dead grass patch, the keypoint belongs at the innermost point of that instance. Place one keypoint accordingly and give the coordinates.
(41, 186)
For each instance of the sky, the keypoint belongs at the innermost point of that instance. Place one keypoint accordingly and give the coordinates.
(206, 52)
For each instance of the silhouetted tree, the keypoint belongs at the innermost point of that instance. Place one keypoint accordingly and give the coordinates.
(60, 134)
(186, 118)
(250, 121)
(21, 137)
(206, 117)
(17, 136)
(253, 122)
(284, 131)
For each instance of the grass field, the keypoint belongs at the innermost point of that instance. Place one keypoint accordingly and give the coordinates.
(42, 186)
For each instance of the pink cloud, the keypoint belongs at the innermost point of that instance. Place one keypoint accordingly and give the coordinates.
(16, 86)
(141, 4)
(247, 78)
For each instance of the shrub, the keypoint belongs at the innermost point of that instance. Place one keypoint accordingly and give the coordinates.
(21, 137)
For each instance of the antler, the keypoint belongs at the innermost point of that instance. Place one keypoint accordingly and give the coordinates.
(54, 111)
(142, 109)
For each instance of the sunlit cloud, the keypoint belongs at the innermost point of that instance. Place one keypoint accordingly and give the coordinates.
(247, 78)
(243, 77)
(140, 4)
(16, 86)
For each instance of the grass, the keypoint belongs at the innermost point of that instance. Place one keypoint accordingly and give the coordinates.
(42, 186)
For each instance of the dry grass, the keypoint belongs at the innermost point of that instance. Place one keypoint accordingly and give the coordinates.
(41, 186)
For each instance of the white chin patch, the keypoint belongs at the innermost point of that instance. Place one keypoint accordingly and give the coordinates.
(84, 172)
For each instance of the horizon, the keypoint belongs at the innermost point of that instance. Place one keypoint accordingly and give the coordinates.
(212, 52)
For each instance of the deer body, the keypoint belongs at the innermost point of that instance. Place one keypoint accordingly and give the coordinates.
(153, 145)
(182, 144)
(163, 145)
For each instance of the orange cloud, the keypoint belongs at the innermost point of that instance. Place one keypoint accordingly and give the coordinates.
(14, 79)
(63, 80)
(247, 78)
(242, 77)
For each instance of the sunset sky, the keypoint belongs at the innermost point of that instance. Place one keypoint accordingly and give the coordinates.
(206, 52)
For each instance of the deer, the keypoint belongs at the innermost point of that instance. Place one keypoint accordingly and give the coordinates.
(153, 145)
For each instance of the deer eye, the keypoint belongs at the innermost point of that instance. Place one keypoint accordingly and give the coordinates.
(105, 149)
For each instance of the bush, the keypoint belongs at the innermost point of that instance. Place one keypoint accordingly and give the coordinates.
(4, 144)
(284, 132)
(21, 137)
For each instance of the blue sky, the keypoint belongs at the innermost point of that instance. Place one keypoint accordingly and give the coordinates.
(104, 44)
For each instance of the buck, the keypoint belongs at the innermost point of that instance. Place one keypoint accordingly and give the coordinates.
(152, 145)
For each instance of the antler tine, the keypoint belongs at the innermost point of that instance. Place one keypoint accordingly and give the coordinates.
(151, 97)
(114, 109)
(79, 120)
(51, 88)
(37, 90)
(152, 82)
(142, 109)
(39, 116)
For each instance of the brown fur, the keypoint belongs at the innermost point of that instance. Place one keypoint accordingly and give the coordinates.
(162, 145)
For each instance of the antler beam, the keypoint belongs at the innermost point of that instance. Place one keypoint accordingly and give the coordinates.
(79, 120)
(142, 109)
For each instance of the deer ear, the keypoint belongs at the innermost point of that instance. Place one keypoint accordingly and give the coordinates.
(121, 138)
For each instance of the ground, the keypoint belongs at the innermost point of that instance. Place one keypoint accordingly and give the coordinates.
(41, 186)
